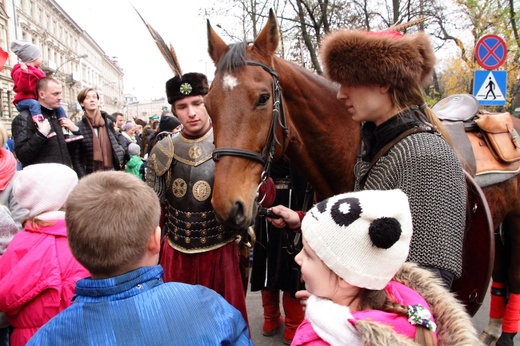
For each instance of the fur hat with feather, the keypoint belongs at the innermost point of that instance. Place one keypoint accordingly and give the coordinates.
(378, 58)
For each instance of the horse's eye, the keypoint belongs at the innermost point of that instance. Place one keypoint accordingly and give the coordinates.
(262, 100)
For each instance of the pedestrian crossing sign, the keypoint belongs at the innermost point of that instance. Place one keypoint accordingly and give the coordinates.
(489, 87)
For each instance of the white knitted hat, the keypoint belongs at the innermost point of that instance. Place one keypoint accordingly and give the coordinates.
(44, 187)
(362, 236)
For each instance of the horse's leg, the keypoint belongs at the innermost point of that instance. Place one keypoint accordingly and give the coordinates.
(512, 311)
(498, 291)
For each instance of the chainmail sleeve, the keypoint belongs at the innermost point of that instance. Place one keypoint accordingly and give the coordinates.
(425, 167)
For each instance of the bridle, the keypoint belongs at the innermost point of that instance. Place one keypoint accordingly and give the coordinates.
(267, 154)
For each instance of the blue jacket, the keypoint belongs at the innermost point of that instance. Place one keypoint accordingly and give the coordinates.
(138, 308)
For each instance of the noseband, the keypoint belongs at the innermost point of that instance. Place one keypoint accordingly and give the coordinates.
(267, 154)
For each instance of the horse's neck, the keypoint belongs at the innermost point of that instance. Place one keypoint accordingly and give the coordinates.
(323, 138)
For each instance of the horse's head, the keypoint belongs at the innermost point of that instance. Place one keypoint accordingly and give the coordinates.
(246, 108)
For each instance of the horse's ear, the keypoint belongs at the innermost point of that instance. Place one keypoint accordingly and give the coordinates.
(268, 39)
(216, 46)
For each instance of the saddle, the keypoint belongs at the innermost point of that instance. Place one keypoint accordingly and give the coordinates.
(487, 143)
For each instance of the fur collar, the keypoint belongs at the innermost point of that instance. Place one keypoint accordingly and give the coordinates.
(454, 326)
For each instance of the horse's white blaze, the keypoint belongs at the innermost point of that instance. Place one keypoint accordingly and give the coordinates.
(229, 82)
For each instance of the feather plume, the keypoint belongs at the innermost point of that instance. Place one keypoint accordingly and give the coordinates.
(404, 26)
(167, 52)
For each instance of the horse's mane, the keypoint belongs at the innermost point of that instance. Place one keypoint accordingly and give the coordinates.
(234, 58)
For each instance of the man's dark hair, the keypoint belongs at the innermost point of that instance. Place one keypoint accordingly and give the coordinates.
(44, 82)
(112, 118)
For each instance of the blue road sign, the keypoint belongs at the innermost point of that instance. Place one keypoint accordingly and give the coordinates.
(491, 51)
(489, 87)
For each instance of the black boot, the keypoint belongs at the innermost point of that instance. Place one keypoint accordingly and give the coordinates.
(506, 339)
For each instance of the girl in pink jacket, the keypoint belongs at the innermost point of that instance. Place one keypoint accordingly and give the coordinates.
(360, 291)
(38, 272)
(353, 245)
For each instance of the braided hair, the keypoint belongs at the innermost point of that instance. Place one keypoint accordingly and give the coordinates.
(379, 300)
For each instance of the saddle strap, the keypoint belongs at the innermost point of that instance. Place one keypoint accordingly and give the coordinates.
(386, 148)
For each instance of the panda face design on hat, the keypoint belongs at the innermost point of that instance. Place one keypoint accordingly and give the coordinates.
(384, 232)
(363, 236)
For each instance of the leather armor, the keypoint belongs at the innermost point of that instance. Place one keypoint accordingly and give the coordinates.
(192, 226)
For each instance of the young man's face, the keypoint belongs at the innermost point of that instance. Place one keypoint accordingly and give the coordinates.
(50, 97)
(91, 101)
(120, 122)
(193, 115)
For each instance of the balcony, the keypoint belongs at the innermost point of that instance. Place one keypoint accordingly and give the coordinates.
(73, 78)
(48, 66)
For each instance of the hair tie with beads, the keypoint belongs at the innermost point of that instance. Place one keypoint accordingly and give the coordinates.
(418, 315)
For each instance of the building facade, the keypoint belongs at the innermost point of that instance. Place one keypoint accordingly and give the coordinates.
(69, 54)
(145, 109)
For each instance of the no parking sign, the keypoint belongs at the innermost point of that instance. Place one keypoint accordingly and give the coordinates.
(491, 51)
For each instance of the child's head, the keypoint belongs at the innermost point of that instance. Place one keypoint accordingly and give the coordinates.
(111, 217)
(43, 187)
(363, 237)
(25, 51)
(134, 149)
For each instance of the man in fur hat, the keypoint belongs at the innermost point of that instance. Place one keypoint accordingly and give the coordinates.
(381, 76)
(196, 248)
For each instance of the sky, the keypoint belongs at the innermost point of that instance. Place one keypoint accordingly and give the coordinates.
(118, 30)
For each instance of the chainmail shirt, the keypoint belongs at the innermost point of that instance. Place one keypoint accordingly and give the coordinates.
(425, 167)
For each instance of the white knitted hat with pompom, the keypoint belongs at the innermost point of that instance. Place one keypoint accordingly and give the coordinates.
(363, 236)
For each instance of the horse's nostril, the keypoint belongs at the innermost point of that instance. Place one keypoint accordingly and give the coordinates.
(238, 211)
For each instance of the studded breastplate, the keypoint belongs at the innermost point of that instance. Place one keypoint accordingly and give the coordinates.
(192, 226)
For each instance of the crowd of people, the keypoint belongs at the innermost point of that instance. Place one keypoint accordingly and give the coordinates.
(108, 235)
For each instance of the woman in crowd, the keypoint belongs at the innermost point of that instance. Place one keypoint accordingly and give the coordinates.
(99, 150)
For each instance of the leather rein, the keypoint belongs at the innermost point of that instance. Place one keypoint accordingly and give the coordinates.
(279, 119)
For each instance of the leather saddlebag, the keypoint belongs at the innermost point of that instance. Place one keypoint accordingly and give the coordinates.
(500, 135)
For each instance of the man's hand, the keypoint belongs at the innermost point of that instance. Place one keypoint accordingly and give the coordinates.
(44, 127)
(66, 122)
(288, 217)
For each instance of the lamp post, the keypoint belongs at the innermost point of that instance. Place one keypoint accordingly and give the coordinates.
(82, 56)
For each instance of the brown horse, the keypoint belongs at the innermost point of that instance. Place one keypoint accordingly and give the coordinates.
(254, 123)
(318, 135)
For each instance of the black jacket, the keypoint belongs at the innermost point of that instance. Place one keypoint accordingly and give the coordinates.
(32, 147)
(82, 156)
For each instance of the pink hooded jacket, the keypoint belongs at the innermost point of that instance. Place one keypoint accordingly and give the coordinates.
(37, 277)
(306, 335)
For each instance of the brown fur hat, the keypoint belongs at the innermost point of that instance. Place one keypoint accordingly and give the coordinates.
(378, 58)
(189, 84)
